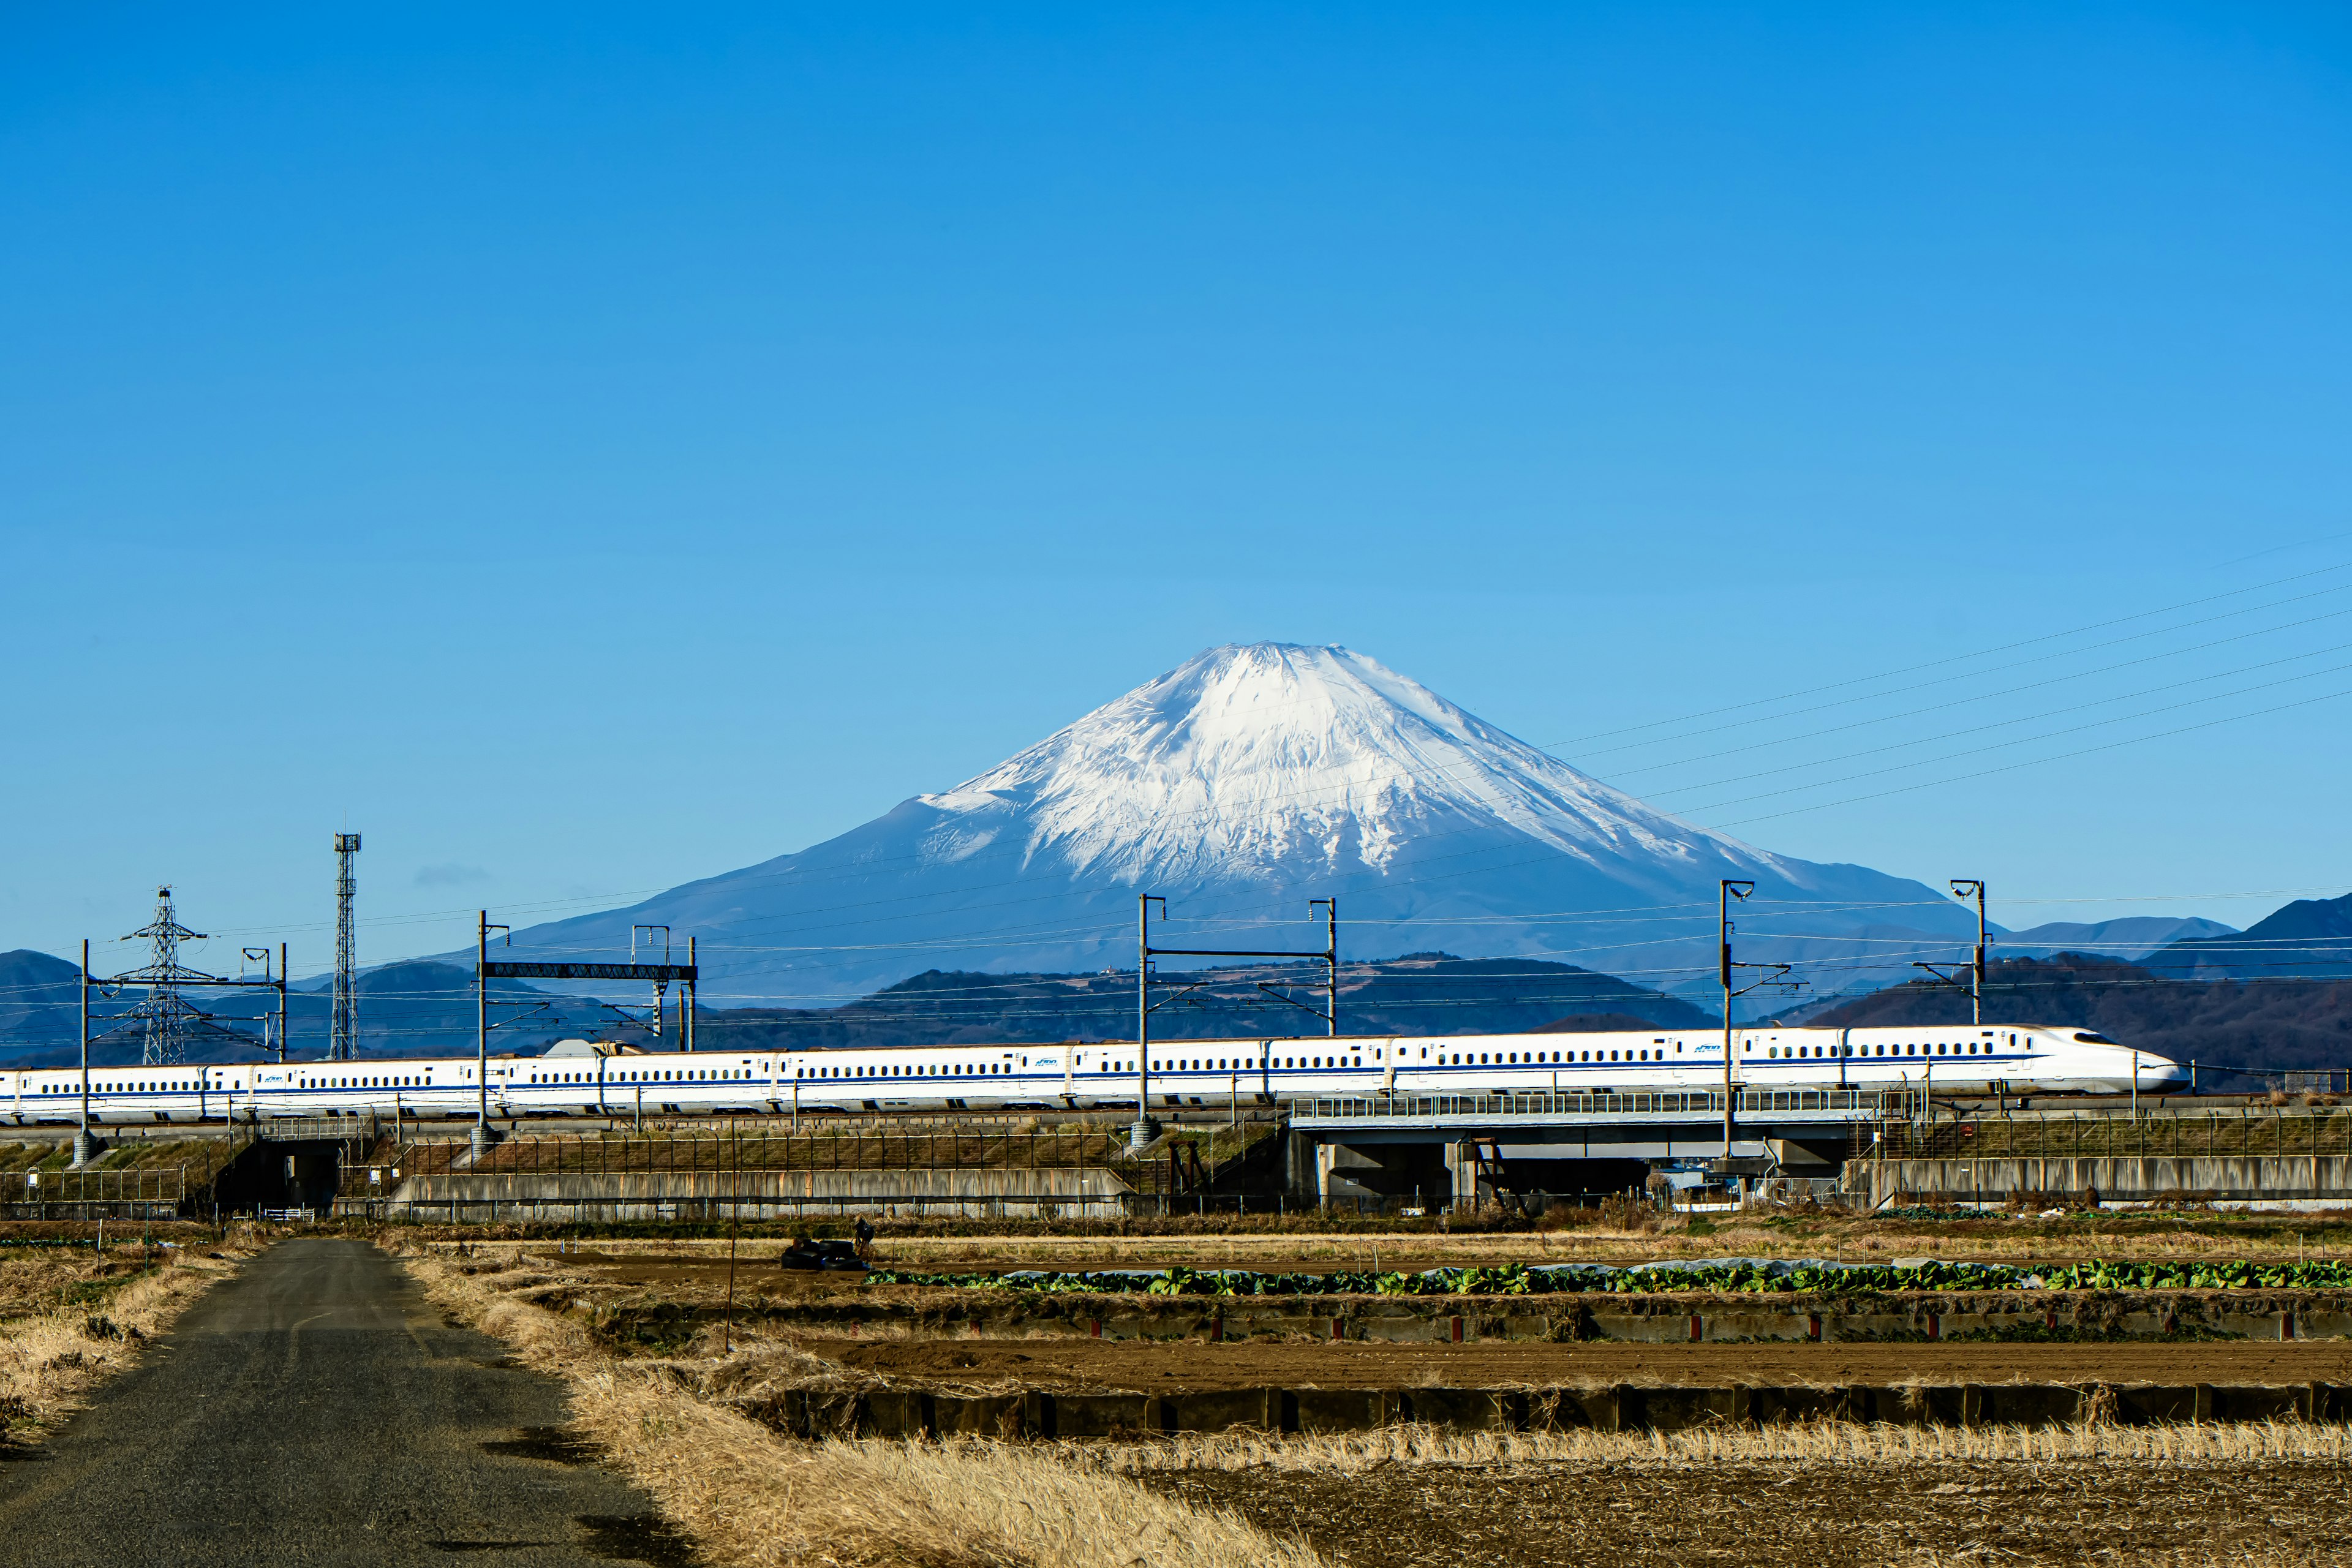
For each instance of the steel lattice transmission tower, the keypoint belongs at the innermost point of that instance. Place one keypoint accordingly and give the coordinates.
(344, 1045)
(165, 1019)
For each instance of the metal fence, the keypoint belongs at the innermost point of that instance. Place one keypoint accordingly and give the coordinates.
(135, 1192)
(762, 1146)
(2243, 1131)
(771, 1208)
(1838, 1104)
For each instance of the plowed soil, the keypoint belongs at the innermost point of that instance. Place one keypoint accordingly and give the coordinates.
(1144, 1367)
(1811, 1515)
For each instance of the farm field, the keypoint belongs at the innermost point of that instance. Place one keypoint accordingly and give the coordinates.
(1802, 1512)
(696, 1267)
(1144, 1366)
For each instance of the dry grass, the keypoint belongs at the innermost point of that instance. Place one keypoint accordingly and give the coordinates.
(1829, 1442)
(749, 1496)
(85, 1326)
(1853, 1240)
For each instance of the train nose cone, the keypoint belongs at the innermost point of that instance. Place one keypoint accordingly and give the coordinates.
(2161, 1076)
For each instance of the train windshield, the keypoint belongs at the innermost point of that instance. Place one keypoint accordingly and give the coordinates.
(2086, 1037)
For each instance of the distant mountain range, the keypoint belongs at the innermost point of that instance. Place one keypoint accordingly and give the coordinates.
(2218, 1018)
(1238, 786)
(1432, 993)
(418, 1007)
(2135, 937)
(423, 1008)
(2256, 1026)
(2309, 937)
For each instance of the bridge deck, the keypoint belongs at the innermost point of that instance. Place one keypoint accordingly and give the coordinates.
(1544, 1110)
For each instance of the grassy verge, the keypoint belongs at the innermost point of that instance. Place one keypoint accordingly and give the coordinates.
(1829, 1442)
(69, 1320)
(748, 1496)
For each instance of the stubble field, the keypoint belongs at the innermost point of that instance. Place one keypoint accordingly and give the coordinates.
(1818, 1492)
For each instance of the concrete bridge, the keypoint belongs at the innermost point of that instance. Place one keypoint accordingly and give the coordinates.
(1442, 1148)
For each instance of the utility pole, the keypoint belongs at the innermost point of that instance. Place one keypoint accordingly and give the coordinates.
(1725, 891)
(483, 1134)
(1330, 964)
(661, 987)
(1964, 888)
(1728, 890)
(343, 1042)
(1145, 1129)
(85, 1146)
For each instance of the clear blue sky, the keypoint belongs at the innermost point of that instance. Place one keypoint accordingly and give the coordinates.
(584, 450)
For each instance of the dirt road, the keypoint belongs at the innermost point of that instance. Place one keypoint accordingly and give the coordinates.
(316, 1410)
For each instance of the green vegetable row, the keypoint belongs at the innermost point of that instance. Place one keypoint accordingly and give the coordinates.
(1744, 1275)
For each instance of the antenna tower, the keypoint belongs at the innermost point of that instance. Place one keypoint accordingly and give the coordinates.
(165, 1019)
(344, 1044)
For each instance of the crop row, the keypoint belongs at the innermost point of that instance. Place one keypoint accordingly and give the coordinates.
(1742, 1274)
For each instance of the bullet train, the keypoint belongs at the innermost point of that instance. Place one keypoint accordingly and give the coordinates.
(578, 1078)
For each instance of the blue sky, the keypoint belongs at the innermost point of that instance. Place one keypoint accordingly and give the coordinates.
(584, 450)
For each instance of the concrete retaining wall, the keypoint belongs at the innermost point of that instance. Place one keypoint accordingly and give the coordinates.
(2225, 1178)
(592, 1196)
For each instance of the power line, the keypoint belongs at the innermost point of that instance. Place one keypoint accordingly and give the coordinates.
(1980, 653)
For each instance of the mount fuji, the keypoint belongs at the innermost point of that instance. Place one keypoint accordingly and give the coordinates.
(1239, 785)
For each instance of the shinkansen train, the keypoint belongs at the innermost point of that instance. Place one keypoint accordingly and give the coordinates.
(578, 1078)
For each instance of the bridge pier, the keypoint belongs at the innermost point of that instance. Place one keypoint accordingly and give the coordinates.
(1460, 1150)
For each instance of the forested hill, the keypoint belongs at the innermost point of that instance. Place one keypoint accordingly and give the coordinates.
(2261, 1026)
(1432, 994)
(419, 1008)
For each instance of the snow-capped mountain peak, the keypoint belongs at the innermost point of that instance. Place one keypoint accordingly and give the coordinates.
(1272, 760)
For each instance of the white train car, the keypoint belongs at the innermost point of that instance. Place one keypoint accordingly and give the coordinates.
(576, 1079)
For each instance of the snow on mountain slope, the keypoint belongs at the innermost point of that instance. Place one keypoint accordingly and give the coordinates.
(1266, 760)
(1239, 785)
